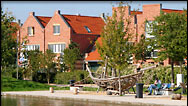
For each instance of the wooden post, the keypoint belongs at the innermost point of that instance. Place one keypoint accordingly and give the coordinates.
(75, 91)
(51, 90)
(120, 93)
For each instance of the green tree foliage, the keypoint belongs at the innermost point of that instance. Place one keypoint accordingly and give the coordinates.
(47, 63)
(140, 49)
(170, 32)
(8, 42)
(34, 58)
(70, 56)
(116, 48)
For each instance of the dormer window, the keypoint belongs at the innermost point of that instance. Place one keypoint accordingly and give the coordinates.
(56, 29)
(30, 31)
(88, 30)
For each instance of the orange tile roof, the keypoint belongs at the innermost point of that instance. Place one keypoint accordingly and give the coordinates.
(84, 41)
(136, 12)
(95, 24)
(171, 10)
(94, 56)
(43, 20)
(15, 24)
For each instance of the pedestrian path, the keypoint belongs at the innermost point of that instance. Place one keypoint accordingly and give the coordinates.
(128, 98)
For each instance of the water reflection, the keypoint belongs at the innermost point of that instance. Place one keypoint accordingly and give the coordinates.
(43, 101)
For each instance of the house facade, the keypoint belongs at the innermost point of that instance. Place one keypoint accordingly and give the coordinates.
(138, 27)
(56, 32)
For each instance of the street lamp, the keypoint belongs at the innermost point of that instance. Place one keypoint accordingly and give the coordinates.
(17, 47)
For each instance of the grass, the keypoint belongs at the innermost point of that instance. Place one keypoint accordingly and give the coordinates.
(12, 84)
(91, 89)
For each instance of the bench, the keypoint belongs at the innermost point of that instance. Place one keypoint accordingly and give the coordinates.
(80, 88)
(163, 90)
(166, 92)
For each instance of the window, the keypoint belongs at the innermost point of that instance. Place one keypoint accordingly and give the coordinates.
(88, 30)
(152, 54)
(56, 29)
(30, 31)
(32, 47)
(56, 48)
(148, 30)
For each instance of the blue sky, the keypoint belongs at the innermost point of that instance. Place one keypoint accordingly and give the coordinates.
(21, 9)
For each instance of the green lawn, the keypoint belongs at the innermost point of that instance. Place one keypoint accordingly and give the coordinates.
(12, 84)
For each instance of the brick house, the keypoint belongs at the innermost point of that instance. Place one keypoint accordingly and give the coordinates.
(137, 27)
(56, 32)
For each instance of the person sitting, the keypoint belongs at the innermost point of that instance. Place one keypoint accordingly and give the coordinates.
(166, 86)
(156, 84)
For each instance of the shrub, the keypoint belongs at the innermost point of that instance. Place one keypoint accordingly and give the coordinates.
(77, 75)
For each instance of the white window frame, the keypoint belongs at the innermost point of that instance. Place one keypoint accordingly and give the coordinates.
(56, 30)
(32, 47)
(88, 30)
(30, 31)
(152, 53)
(148, 30)
(57, 47)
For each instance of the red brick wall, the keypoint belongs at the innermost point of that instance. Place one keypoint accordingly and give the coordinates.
(65, 31)
(38, 37)
(149, 12)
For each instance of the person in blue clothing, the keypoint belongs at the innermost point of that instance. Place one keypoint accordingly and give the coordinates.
(153, 86)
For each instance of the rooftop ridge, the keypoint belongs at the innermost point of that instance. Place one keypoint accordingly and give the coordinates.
(171, 9)
(44, 16)
(81, 16)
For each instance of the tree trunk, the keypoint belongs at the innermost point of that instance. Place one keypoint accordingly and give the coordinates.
(115, 72)
(112, 72)
(48, 81)
(48, 77)
(120, 93)
(105, 71)
(172, 66)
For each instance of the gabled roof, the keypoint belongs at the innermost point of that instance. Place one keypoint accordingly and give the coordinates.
(43, 20)
(171, 10)
(79, 24)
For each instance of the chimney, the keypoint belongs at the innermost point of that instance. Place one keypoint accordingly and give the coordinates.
(103, 17)
(78, 14)
(32, 13)
(57, 12)
(19, 22)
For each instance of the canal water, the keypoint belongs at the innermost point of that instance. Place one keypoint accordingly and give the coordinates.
(43, 101)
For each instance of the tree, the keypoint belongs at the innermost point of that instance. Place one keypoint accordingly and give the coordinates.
(140, 49)
(116, 48)
(8, 41)
(47, 63)
(71, 54)
(170, 37)
(34, 60)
